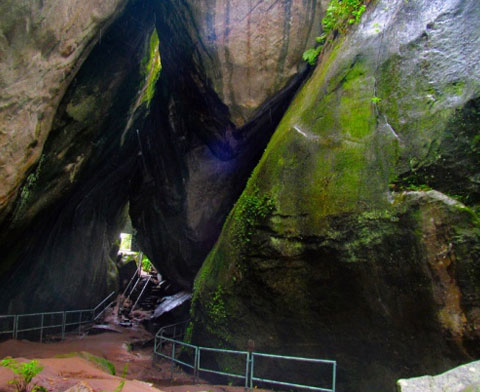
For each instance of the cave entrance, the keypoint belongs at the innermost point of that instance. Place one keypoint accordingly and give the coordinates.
(146, 297)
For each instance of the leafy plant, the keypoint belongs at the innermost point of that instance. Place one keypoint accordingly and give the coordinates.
(26, 372)
(310, 55)
(376, 99)
(122, 383)
(340, 13)
(146, 264)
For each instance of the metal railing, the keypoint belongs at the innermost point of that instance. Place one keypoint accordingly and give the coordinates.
(290, 358)
(249, 357)
(47, 321)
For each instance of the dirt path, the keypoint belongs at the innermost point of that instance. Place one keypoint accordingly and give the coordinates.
(63, 369)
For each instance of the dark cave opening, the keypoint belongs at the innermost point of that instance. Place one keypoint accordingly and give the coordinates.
(123, 143)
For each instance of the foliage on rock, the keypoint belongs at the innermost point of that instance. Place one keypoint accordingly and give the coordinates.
(339, 15)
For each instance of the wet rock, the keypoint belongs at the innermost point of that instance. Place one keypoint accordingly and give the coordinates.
(230, 69)
(73, 205)
(319, 252)
(171, 302)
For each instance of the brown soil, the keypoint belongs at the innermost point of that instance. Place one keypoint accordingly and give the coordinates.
(59, 374)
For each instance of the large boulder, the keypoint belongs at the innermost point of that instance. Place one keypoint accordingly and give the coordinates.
(319, 257)
(230, 69)
(56, 238)
(42, 46)
(465, 378)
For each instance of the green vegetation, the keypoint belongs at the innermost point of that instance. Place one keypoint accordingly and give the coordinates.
(310, 55)
(28, 187)
(189, 332)
(340, 14)
(146, 264)
(26, 372)
(250, 208)
(122, 383)
(150, 68)
(216, 307)
(125, 241)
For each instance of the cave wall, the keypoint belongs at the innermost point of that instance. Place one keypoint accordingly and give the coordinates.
(105, 133)
(230, 69)
(56, 239)
(357, 236)
(42, 45)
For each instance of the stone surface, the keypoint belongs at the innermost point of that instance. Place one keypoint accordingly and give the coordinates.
(320, 252)
(73, 205)
(42, 45)
(250, 50)
(80, 387)
(226, 81)
(465, 378)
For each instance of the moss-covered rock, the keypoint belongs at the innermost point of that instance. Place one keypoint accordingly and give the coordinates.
(230, 69)
(339, 266)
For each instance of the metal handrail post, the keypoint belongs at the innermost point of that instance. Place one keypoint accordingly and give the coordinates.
(173, 360)
(14, 331)
(41, 328)
(251, 371)
(195, 366)
(334, 376)
(80, 323)
(64, 321)
(16, 326)
(247, 372)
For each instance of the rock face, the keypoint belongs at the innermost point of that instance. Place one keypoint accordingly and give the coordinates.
(181, 168)
(42, 45)
(319, 257)
(465, 378)
(229, 71)
(71, 207)
(251, 50)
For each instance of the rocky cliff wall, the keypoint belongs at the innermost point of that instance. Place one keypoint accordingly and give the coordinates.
(42, 46)
(337, 248)
(56, 238)
(230, 69)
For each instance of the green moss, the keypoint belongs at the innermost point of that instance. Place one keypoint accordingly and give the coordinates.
(189, 332)
(81, 111)
(216, 307)
(151, 67)
(251, 207)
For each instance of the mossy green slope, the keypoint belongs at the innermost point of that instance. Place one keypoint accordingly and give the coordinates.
(319, 257)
